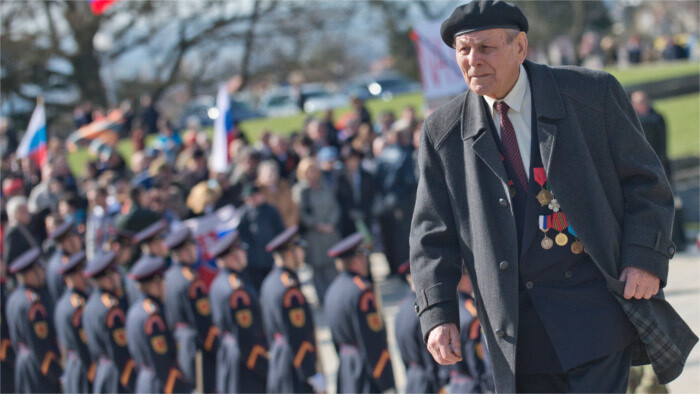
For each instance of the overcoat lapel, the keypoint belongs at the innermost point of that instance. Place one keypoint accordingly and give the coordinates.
(475, 125)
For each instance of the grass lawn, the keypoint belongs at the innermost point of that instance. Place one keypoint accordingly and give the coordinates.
(682, 113)
(654, 72)
(682, 116)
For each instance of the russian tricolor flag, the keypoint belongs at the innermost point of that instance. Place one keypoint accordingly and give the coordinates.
(223, 131)
(33, 143)
(100, 6)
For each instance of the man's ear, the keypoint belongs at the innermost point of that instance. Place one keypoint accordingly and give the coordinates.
(521, 44)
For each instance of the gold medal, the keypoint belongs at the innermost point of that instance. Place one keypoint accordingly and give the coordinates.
(561, 239)
(577, 247)
(547, 243)
(544, 197)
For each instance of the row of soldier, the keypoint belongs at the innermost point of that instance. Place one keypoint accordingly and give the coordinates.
(141, 331)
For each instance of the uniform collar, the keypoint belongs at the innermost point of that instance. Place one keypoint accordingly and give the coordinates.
(516, 96)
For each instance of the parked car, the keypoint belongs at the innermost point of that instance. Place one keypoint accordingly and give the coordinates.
(203, 108)
(316, 97)
(384, 86)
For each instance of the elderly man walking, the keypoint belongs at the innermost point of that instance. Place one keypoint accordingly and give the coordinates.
(540, 179)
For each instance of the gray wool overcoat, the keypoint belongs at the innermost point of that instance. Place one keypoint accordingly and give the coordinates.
(606, 178)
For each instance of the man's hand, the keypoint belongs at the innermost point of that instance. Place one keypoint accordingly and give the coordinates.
(639, 283)
(443, 344)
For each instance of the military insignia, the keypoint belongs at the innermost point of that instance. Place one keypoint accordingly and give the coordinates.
(203, 306)
(244, 318)
(239, 296)
(234, 281)
(287, 279)
(367, 301)
(559, 223)
(119, 336)
(81, 334)
(149, 306)
(187, 273)
(554, 205)
(374, 321)
(159, 344)
(298, 317)
(545, 223)
(577, 247)
(41, 329)
(544, 197)
(479, 350)
(108, 300)
(293, 294)
(77, 300)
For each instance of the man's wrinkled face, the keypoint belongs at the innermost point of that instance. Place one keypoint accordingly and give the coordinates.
(490, 61)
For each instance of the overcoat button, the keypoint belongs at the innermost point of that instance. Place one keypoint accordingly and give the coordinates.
(415, 308)
(671, 250)
(503, 202)
(568, 274)
(529, 285)
(503, 265)
(500, 333)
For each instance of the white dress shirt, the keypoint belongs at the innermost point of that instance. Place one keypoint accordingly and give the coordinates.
(519, 99)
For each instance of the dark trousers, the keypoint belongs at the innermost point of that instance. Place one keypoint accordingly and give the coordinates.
(609, 374)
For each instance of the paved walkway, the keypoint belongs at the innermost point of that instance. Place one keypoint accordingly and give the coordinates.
(682, 291)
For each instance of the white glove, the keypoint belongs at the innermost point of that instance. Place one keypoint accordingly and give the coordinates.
(318, 382)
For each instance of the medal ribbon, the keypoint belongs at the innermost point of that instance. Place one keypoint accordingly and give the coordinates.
(571, 231)
(559, 222)
(540, 176)
(545, 222)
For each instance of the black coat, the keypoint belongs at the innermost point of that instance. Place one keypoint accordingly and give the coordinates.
(355, 194)
(607, 179)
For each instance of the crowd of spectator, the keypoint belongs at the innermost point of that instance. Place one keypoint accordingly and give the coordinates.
(333, 178)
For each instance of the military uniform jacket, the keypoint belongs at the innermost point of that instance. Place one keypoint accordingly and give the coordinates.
(606, 178)
(7, 353)
(37, 368)
(104, 322)
(422, 372)
(153, 348)
(188, 314)
(79, 370)
(359, 336)
(290, 331)
(54, 280)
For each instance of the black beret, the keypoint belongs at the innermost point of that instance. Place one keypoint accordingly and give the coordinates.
(482, 15)
(69, 264)
(146, 268)
(25, 260)
(227, 243)
(347, 246)
(150, 231)
(99, 264)
(285, 238)
(62, 230)
(178, 237)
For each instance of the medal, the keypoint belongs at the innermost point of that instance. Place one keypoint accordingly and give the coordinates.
(577, 246)
(559, 223)
(554, 205)
(561, 239)
(544, 197)
(545, 224)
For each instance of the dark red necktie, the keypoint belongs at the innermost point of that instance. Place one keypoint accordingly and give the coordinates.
(510, 144)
